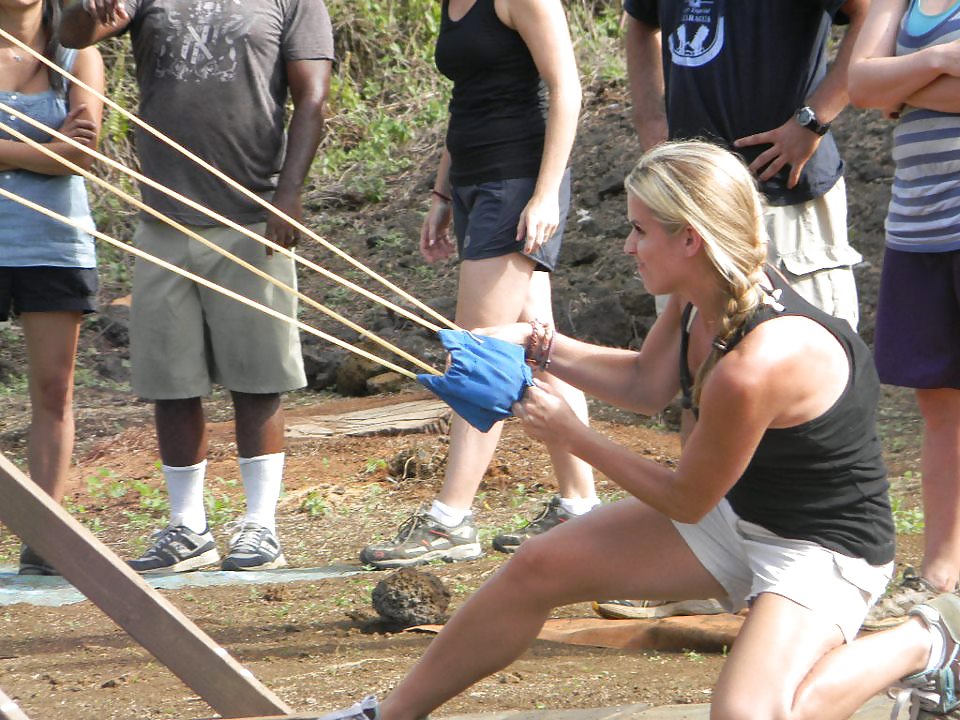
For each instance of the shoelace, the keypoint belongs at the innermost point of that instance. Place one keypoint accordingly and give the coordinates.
(163, 538)
(408, 526)
(249, 538)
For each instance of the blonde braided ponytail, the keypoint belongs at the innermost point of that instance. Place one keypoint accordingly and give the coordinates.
(700, 185)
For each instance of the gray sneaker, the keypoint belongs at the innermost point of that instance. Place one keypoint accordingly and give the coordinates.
(651, 609)
(934, 694)
(253, 547)
(177, 548)
(421, 539)
(550, 515)
(894, 607)
(33, 564)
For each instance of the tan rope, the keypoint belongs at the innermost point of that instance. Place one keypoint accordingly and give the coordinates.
(206, 283)
(199, 238)
(229, 181)
(218, 217)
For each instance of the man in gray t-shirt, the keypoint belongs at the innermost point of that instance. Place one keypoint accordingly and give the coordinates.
(215, 75)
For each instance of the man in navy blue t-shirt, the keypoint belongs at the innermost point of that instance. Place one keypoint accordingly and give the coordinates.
(753, 75)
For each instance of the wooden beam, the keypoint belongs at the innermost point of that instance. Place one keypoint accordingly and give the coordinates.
(203, 665)
(9, 710)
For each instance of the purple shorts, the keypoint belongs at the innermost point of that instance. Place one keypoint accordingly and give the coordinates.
(917, 336)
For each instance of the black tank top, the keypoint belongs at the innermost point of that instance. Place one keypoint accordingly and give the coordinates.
(497, 110)
(823, 480)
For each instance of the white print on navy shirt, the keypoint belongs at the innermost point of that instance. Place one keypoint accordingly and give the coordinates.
(203, 42)
(698, 38)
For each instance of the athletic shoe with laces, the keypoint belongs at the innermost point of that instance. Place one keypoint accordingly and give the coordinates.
(253, 547)
(33, 564)
(420, 539)
(894, 607)
(651, 609)
(551, 514)
(177, 548)
(933, 694)
(366, 709)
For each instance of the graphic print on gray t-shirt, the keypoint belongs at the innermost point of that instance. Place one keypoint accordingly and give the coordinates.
(202, 43)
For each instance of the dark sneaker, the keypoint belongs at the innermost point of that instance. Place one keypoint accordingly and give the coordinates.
(551, 515)
(177, 548)
(933, 694)
(421, 539)
(893, 608)
(254, 547)
(650, 609)
(33, 564)
(366, 709)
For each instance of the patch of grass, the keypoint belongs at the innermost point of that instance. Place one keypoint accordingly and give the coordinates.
(906, 520)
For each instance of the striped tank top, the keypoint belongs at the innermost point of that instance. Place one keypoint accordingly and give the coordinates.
(924, 212)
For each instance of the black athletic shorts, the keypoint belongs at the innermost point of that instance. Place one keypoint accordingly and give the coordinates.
(47, 289)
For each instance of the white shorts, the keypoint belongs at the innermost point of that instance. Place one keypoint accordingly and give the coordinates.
(808, 244)
(747, 560)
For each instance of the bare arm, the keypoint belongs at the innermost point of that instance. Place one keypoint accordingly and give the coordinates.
(543, 27)
(82, 28)
(309, 82)
(880, 79)
(81, 124)
(435, 242)
(645, 73)
(793, 145)
(734, 415)
(785, 373)
(643, 381)
(943, 95)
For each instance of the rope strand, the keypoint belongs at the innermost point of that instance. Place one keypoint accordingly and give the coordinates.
(207, 283)
(199, 238)
(229, 181)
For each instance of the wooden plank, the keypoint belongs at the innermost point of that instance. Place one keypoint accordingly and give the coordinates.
(190, 654)
(9, 710)
(407, 417)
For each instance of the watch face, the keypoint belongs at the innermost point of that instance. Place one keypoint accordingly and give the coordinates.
(804, 115)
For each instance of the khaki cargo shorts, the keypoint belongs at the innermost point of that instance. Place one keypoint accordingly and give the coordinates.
(184, 337)
(808, 244)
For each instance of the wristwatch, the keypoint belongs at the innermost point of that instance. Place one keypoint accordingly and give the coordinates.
(808, 118)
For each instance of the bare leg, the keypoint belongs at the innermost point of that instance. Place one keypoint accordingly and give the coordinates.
(788, 663)
(940, 465)
(491, 292)
(259, 424)
(574, 476)
(181, 431)
(51, 351)
(607, 552)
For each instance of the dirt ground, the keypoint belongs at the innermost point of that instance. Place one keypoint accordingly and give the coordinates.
(312, 642)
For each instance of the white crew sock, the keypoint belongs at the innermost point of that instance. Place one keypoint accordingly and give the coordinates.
(262, 478)
(185, 486)
(579, 506)
(449, 516)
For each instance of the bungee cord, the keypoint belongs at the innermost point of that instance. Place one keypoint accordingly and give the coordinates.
(212, 214)
(4, 193)
(190, 233)
(232, 183)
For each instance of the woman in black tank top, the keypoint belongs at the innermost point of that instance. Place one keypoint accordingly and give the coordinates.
(783, 392)
(503, 182)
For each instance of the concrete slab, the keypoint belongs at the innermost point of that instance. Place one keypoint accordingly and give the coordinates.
(54, 591)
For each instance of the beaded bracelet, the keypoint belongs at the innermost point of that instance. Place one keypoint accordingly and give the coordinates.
(539, 345)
